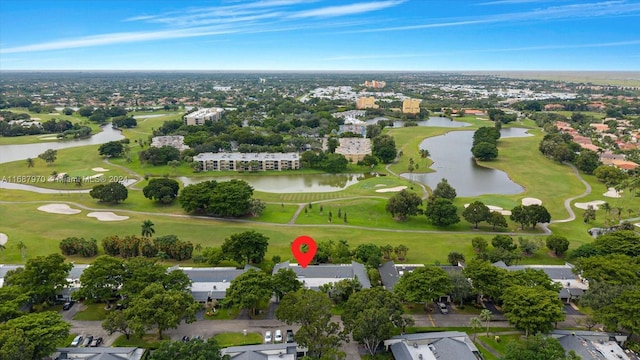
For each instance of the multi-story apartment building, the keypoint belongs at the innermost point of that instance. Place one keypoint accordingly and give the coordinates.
(198, 117)
(354, 149)
(248, 161)
(411, 106)
(366, 102)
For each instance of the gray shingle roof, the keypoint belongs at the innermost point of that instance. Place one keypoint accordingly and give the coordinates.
(327, 272)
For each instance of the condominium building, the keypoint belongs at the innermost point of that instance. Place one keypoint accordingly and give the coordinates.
(198, 117)
(411, 106)
(366, 102)
(375, 84)
(175, 141)
(354, 149)
(248, 161)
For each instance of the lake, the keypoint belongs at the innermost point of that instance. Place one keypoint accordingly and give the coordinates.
(432, 122)
(452, 160)
(9, 153)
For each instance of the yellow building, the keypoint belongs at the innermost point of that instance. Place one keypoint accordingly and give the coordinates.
(411, 106)
(366, 103)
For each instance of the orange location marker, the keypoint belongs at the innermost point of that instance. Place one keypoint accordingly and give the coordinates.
(304, 258)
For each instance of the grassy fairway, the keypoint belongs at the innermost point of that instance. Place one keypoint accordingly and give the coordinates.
(30, 139)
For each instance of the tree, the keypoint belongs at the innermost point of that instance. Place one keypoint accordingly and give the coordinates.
(588, 161)
(589, 214)
(530, 215)
(455, 257)
(212, 256)
(403, 204)
(485, 315)
(423, 285)
(159, 307)
(486, 278)
(504, 242)
(195, 349)
(32, 336)
(371, 316)
(475, 324)
(476, 212)
(485, 151)
(613, 269)
(42, 277)
(496, 219)
(249, 246)
(140, 272)
(163, 190)
(532, 309)
(334, 163)
(444, 190)
(620, 310)
(111, 149)
(23, 249)
(369, 254)
(100, 281)
(559, 244)
(284, 282)
(442, 212)
(534, 348)
(610, 175)
(116, 321)
(401, 252)
(230, 199)
(384, 148)
(479, 244)
(312, 311)
(30, 162)
(12, 299)
(147, 229)
(49, 156)
(461, 287)
(159, 156)
(113, 192)
(247, 290)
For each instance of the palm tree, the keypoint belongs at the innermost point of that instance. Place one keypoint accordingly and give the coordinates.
(485, 315)
(607, 209)
(475, 323)
(147, 228)
(197, 247)
(30, 162)
(23, 249)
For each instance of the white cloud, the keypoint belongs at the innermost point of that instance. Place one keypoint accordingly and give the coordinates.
(342, 10)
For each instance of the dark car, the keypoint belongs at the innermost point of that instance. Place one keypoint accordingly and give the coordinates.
(68, 305)
(96, 342)
(289, 336)
(185, 338)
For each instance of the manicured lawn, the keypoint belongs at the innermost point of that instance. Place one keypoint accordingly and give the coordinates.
(148, 341)
(91, 312)
(237, 339)
(223, 314)
(485, 353)
(30, 139)
(500, 346)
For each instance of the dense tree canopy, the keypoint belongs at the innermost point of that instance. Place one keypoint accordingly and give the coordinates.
(163, 190)
(32, 336)
(485, 151)
(444, 190)
(43, 277)
(530, 215)
(249, 289)
(159, 155)
(442, 212)
(384, 147)
(225, 199)
(532, 309)
(249, 246)
(285, 281)
(536, 347)
(113, 192)
(476, 212)
(404, 204)
(195, 349)
(312, 311)
(112, 149)
(423, 285)
(100, 281)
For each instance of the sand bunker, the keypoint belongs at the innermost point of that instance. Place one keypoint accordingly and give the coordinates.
(63, 209)
(394, 189)
(4, 238)
(531, 201)
(495, 208)
(100, 169)
(596, 204)
(106, 216)
(612, 193)
(58, 177)
(48, 138)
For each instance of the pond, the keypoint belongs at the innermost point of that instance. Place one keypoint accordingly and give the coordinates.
(432, 122)
(10, 153)
(452, 160)
(294, 183)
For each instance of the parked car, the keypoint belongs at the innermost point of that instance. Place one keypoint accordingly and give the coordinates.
(443, 308)
(67, 305)
(77, 341)
(87, 341)
(267, 337)
(278, 337)
(96, 342)
(289, 336)
(185, 338)
(197, 337)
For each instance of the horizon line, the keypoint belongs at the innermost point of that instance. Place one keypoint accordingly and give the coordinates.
(310, 70)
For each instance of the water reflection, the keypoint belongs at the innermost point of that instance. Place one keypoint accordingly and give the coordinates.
(432, 122)
(453, 161)
(290, 183)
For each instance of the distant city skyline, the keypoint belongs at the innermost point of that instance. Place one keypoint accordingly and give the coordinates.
(321, 35)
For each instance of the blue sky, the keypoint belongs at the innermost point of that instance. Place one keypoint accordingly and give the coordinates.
(403, 35)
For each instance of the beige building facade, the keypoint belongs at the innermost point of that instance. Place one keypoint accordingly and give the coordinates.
(198, 117)
(366, 102)
(411, 106)
(354, 149)
(248, 161)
